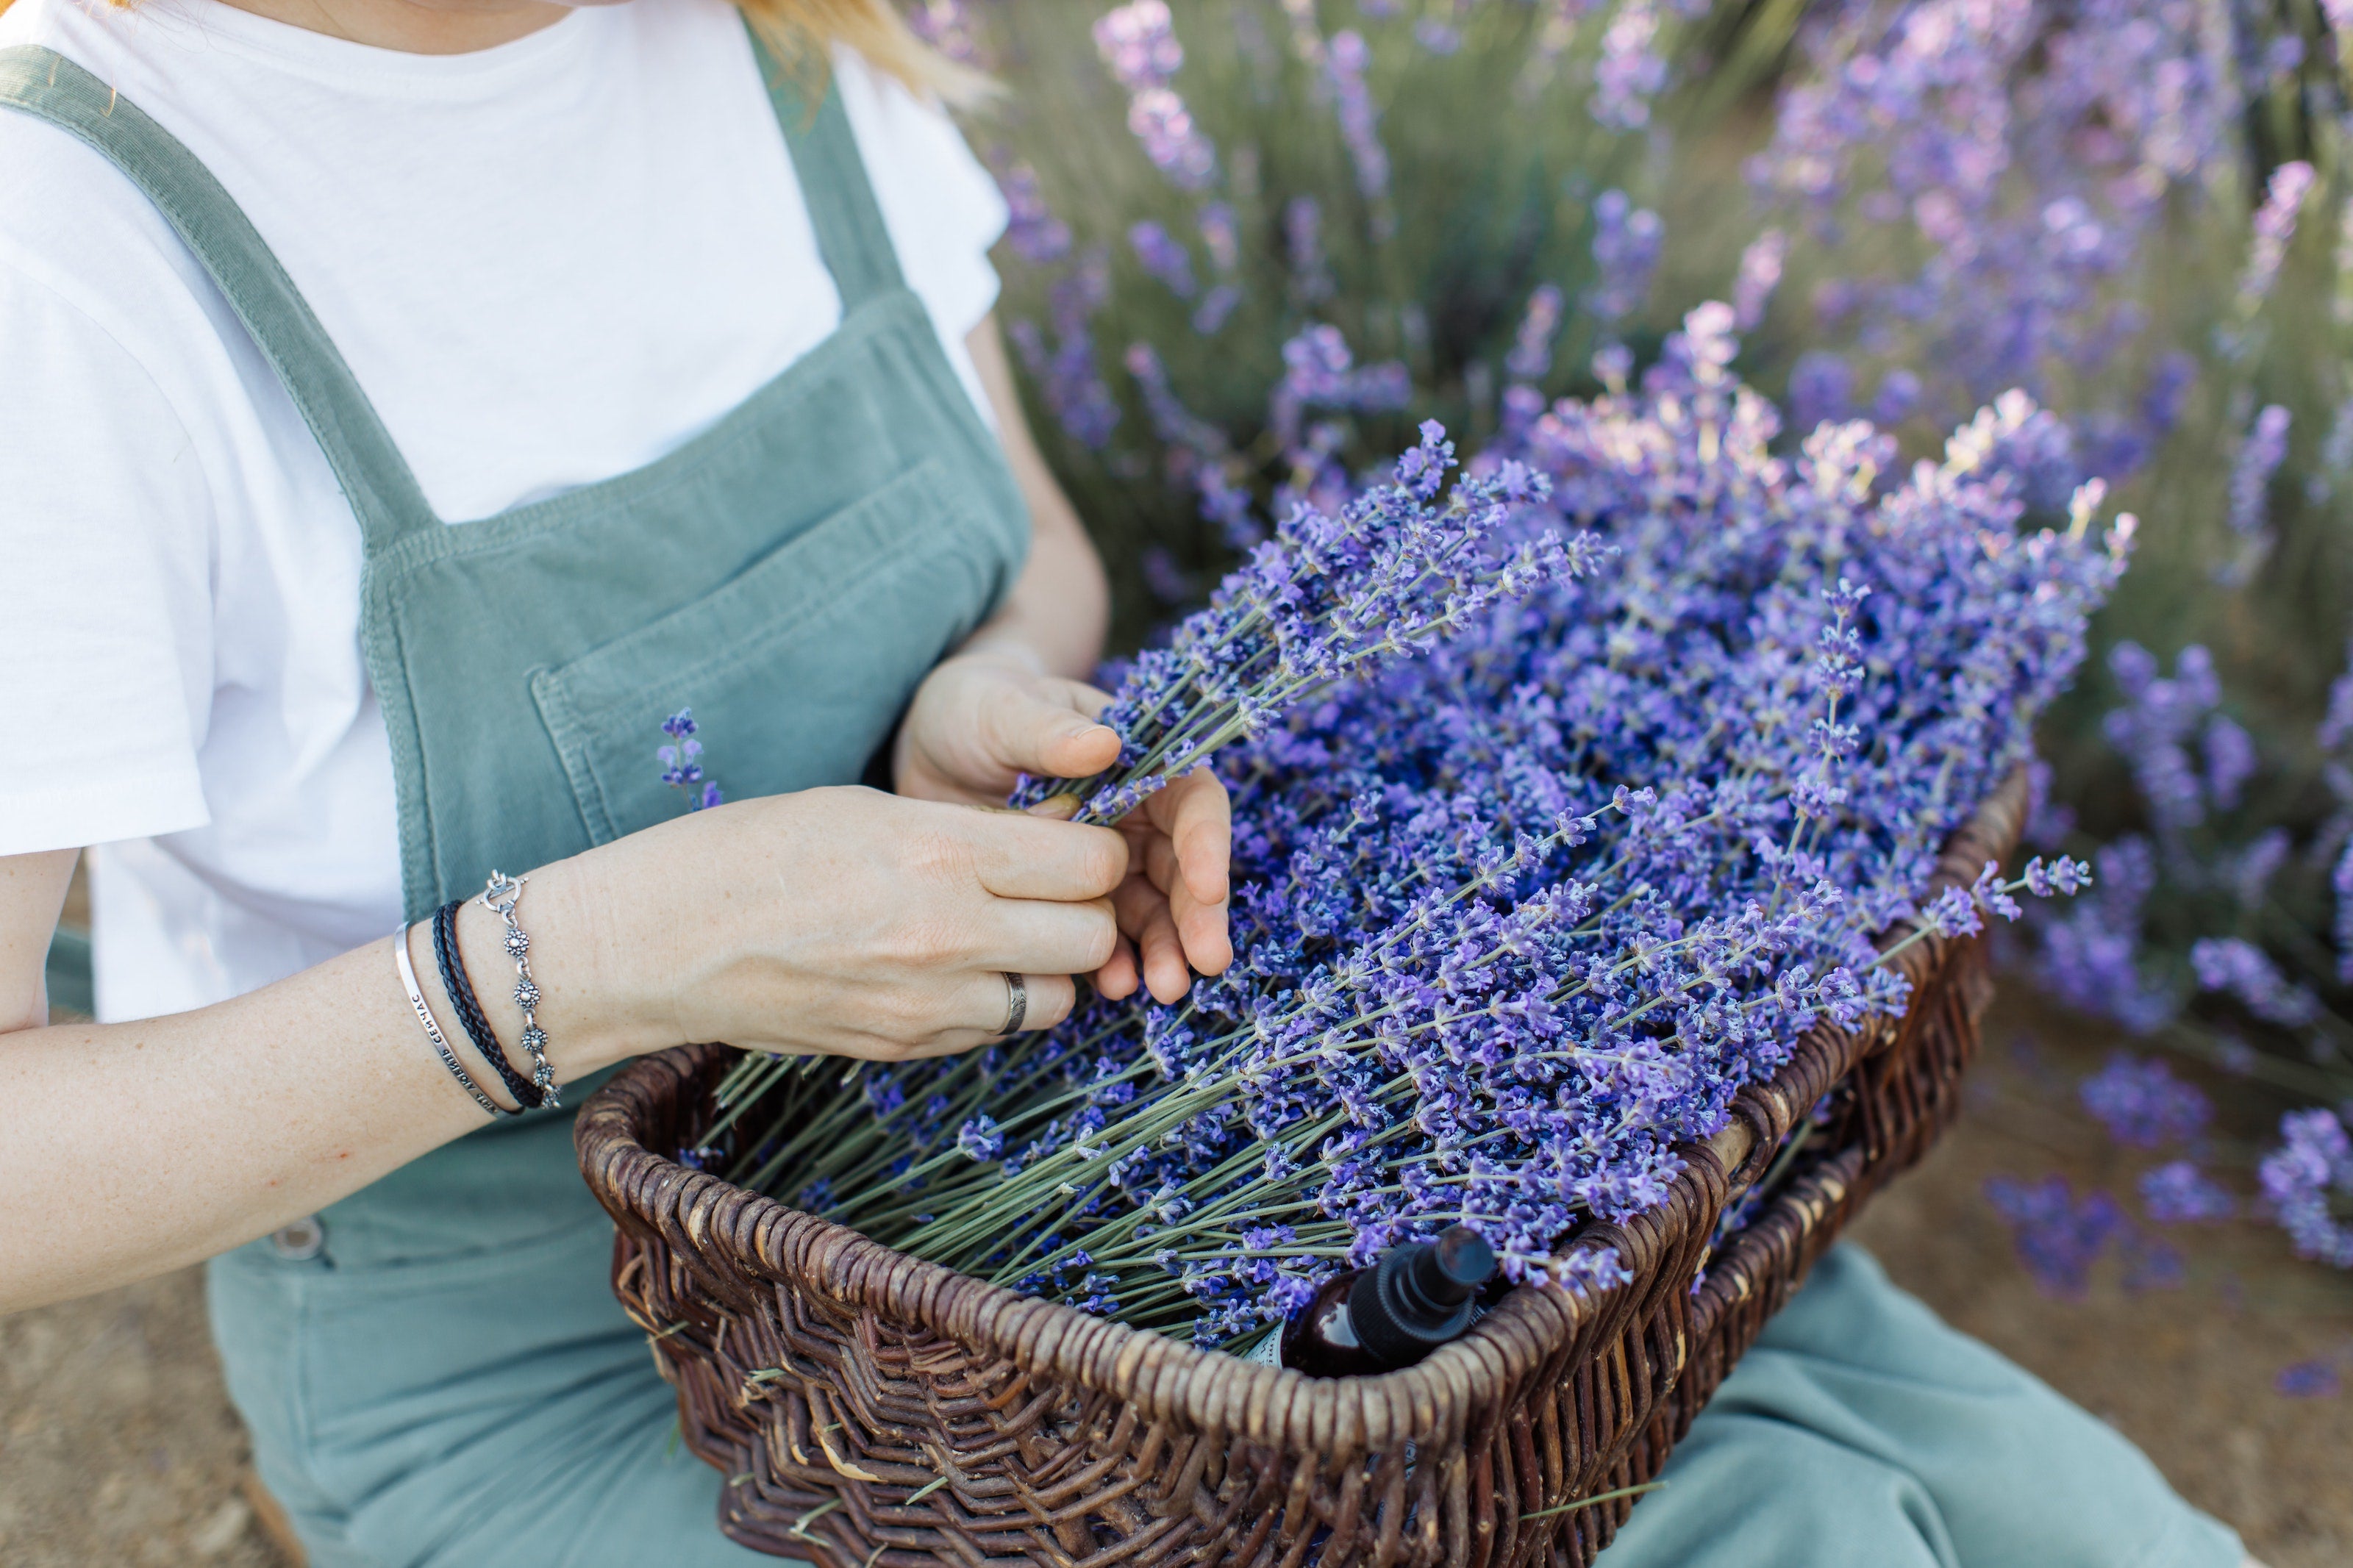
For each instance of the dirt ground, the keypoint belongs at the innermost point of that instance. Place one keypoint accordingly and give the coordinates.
(117, 1445)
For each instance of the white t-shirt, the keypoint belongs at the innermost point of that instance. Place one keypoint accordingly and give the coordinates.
(547, 263)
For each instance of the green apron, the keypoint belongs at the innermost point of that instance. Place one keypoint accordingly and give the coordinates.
(436, 1371)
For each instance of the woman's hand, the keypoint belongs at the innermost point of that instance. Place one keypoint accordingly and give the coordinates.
(990, 714)
(841, 922)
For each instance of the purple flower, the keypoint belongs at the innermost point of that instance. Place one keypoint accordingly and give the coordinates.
(1164, 258)
(949, 27)
(980, 1138)
(681, 769)
(1138, 42)
(1625, 245)
(2178, 1192)
(2250, 515)
(1821, 388)
(2088, 955)
(1629, 72)
(1531, 356)
(2152, 732)
(2241, 970)
(2273, 227)
(2312, 1166)
(1391, 575)
(2340, 882)
(1992, 182)
(2308, 1380)
(1347, 60)
(1066, 370)
(2057, 1236)
(1302, 233)
(1031, 229)
(1319, 371)
(2142, 1104)
(1760, 274)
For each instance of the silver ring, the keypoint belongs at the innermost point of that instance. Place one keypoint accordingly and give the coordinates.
(1017, 1005)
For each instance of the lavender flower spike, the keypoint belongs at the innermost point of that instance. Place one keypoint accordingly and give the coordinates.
(2315, 1159)
(2259, 455)
(1395, 573)
(2143, 1105)
(1138, 42)
(681, 769)
(2180, 1193)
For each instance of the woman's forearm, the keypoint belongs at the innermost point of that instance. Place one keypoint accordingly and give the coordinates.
(836, 922)
(1060, 609)
(129, 1148)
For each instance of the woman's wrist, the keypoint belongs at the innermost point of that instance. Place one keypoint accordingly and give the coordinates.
(591, 1006)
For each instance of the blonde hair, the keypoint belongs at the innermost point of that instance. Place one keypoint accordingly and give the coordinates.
(803, 32)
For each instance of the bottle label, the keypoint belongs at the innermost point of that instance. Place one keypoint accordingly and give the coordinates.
(1268, 1351)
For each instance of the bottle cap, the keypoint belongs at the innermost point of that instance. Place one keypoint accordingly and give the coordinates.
(1418, 1296)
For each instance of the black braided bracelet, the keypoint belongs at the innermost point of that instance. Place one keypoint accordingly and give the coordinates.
(470, 1010)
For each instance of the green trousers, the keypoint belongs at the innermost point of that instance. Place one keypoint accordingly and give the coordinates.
(1861, 1432)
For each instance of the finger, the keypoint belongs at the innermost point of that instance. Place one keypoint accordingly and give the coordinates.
(1089, 701)
(1046, 1001)
(1166, 973)
(1039, 728)
(1036, 936)
(1016, 856)
(1144, 916)
(1117, 980)
(1202, 929)
(1198, 817)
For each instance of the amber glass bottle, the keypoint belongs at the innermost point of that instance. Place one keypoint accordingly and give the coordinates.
(1410, 1303)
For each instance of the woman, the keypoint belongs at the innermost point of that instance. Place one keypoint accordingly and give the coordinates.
(411, 405)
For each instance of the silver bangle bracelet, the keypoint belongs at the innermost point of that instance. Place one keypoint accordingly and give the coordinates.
(433, 1026)
(501, 896)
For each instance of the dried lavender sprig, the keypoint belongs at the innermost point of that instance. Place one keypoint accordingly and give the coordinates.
(1394, 573)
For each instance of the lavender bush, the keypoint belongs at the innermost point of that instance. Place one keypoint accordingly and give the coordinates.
(1519, 915)
(1217, 300)
(1308, 223)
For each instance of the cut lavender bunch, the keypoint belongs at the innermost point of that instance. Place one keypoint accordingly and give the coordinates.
(1516, 918)
(1400, 568)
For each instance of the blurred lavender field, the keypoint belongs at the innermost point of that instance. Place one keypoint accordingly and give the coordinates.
(1256, 240)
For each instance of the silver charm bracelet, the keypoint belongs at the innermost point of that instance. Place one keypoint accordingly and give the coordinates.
(501, 896)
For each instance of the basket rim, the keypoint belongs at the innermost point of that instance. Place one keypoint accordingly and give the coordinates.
(1174, 1381)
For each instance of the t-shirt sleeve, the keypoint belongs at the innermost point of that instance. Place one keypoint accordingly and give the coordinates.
(105, 667)
(942, 209)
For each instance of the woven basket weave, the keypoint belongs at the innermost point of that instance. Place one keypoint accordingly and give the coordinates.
(872, 1410)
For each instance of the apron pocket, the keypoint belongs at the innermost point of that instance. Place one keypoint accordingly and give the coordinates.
(796, 668)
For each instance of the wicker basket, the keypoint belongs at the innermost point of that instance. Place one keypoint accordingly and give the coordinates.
(872, 1410)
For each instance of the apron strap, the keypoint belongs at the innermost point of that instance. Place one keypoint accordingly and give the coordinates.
(384, 494)
(851, 234)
